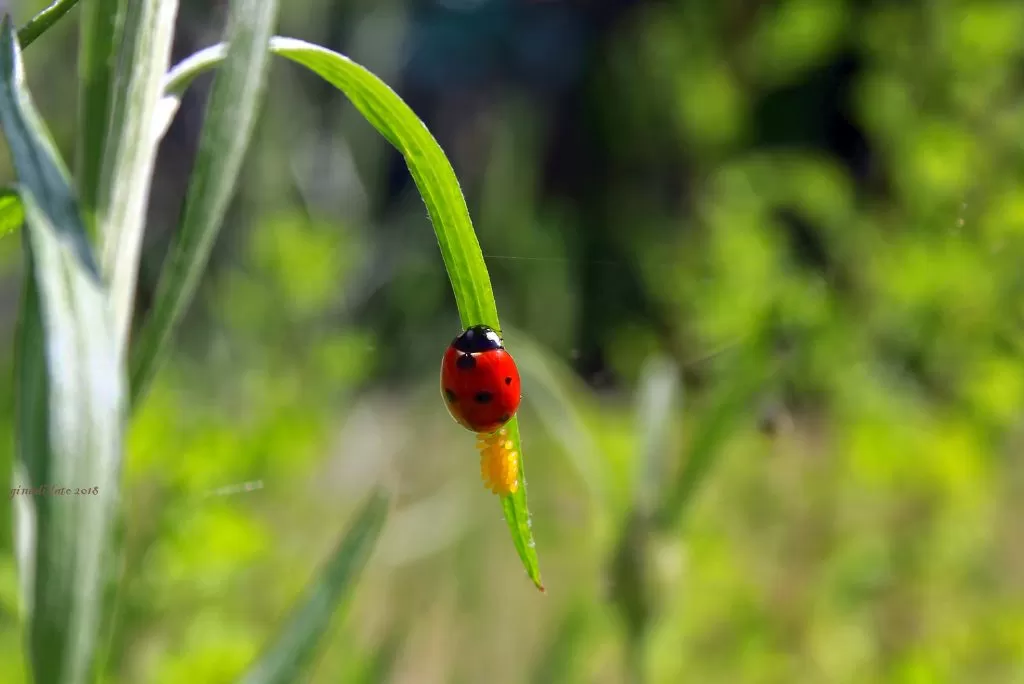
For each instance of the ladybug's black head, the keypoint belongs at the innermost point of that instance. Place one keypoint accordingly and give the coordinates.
(477, 339)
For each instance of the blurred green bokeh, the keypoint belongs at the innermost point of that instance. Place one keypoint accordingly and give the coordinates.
(842, 480)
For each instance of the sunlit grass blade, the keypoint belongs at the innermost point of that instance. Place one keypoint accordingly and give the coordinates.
(230, 117)
(441, 193)
(517, 515)
(427, 163)
(43, 20)
(99, 36)
(130, 151)
(70, 392)
(292, 650)
(11, 213)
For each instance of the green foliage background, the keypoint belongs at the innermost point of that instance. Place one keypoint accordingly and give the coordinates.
(840, 487)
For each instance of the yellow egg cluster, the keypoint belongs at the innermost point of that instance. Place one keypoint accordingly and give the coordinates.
(499, 463)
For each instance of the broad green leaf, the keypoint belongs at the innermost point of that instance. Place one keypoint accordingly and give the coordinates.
(11, 213)
(100, 33)
(118, 112)
(230, 118)
(439, 188)
(130, 152)
(46, 18)
(70, 391)
(290, 653)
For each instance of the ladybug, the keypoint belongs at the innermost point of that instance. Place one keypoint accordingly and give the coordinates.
(480, 381)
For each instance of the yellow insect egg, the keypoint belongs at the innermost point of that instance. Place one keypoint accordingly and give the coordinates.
(499, 463)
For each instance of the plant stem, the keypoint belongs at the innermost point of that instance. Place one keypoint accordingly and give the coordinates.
(38, 24)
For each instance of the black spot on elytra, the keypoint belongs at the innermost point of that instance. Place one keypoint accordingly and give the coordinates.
(505, 418)
(483, 397)
(508, 381)
(450, 396)
(466, 362)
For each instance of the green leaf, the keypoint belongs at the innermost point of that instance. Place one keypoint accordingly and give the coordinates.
(11, 213)
(428, 164)
(289, 654)
(230, 118)
(126, 50)
(130, 153)
(100, 35)
(46, 18)
(70, 391)
(517, 514)
(441, 193)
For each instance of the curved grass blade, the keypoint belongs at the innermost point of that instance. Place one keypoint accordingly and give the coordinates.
(517, 514)
(46, 18)
(11, 213)
(230, 118)
(427, 163)
(70, 391)
(441, 193)
(293, 649)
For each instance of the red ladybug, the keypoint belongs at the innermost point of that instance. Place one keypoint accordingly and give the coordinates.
(479, 380)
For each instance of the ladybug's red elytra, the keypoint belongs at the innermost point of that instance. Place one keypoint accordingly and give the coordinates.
(479, 380)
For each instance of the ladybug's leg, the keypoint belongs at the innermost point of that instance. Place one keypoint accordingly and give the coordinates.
(499, 463)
